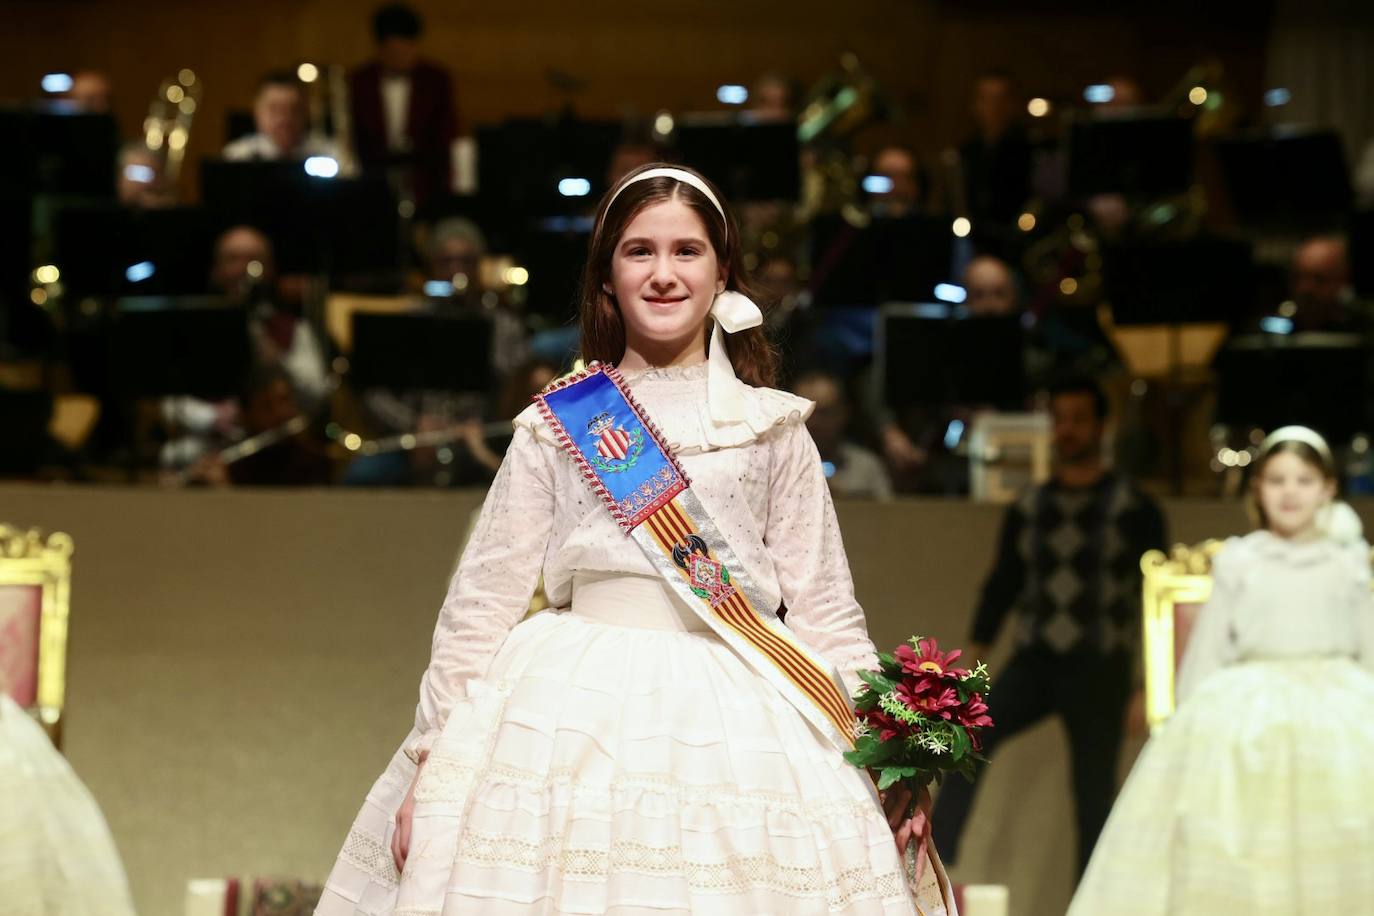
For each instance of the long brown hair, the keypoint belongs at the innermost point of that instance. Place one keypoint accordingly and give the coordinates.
(603, 327)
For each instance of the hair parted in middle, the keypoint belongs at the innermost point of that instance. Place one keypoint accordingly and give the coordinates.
(601, 323)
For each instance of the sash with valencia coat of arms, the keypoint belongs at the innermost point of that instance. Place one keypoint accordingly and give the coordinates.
(626, 462)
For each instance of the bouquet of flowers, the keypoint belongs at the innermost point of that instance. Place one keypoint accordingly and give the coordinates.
(920, 716)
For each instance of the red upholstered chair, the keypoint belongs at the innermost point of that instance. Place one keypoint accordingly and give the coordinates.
(35, 599)
(1176, 586)
(284, 897)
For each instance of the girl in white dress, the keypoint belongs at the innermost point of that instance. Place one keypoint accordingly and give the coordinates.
(56, 854)
(1256, 796)
(614, 754)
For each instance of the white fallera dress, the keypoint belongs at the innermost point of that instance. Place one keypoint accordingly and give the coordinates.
(1257, 796)
(56, 854)
(613, 755)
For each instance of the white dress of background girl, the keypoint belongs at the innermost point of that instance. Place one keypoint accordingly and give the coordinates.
(1257, 795)
(56, 854)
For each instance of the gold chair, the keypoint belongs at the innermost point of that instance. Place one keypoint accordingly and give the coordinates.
(35, 600)
(1176, 586)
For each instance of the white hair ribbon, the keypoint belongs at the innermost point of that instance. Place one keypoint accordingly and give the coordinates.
(731, 312)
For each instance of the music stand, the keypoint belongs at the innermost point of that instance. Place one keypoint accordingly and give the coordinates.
(335, 226)
(1314, 379)
(188, 345)
(746, 158)
(931, 354)
(25, 443)
(889, 260)
(48, 152)
(1285, 179)
(555, 261)
(421, 352)
(1203, 280)
(110, 250)
(1148, 156)
(1167, 282)
(521, 163)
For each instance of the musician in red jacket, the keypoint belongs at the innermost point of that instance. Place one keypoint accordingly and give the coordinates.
(402, 108)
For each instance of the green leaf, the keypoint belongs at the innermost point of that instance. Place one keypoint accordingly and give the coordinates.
(961, 745)
(877, 682)
(888, 777)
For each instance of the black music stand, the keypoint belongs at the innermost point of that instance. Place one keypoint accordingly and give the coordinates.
(889, 260)
(1203, 280)
(179, 345)
(110, 250)
(1285, 179)
(1315, 379)
(931, 355)
(1206, 279)
(521, 163)
(746, 158)
(555, 261)
(25, 444)
(340, 227)
(50, 152)
(421, 352)
(1148, 156)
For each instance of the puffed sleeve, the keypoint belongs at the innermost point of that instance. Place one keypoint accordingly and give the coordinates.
(491, 589)
(803, 540)
(1212, 643)
(1363, 602)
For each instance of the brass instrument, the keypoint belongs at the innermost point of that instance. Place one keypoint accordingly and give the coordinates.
(837, 109)
(167, 128)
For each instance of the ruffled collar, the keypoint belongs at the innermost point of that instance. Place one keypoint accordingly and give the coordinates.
(666, 374)
(1270, 546)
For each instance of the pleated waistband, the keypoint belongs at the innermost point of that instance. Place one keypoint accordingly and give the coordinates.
(632, 601)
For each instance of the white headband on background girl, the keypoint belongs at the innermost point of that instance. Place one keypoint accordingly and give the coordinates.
(731, 311)
(1336, 519)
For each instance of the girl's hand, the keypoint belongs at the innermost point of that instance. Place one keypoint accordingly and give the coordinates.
(400, 837)
(905, 829)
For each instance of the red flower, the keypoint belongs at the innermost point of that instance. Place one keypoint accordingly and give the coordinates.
(940, 702)
(886, 726)
(929, 661)
(974, 713)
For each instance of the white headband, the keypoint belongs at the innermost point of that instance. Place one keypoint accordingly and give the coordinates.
(681, 175)
(1297, 434)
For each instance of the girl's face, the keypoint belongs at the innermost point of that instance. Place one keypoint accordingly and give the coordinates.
(1291, 492)
(664, 274)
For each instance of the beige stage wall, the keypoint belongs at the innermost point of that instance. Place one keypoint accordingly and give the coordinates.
(242, 664)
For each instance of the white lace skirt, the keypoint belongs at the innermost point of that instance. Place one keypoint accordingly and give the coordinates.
(619, 758)
(1257, 797)
(56, 853)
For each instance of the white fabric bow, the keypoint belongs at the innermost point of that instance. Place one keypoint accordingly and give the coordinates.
(732, 312)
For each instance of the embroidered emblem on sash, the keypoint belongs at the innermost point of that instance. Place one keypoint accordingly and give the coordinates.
(616, 448)
(708, 578)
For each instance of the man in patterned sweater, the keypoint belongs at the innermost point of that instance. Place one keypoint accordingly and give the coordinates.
(1069, 564)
